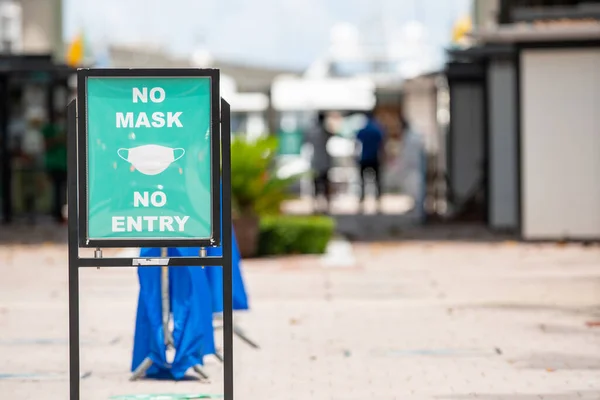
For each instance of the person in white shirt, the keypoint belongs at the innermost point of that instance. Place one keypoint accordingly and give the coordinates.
(413, 161)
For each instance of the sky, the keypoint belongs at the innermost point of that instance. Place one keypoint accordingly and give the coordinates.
(278, 33)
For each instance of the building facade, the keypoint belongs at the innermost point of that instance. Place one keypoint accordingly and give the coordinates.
(34, 91)
(525, 93)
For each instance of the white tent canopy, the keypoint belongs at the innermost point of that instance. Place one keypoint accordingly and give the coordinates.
(242, 102)
(310, 94)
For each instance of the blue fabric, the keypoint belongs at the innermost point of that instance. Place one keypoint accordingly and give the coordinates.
(371, 138)
(215, 274)
(191, 307)
(215, 279)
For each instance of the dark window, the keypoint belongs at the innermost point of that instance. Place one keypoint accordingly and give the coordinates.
(536, 9)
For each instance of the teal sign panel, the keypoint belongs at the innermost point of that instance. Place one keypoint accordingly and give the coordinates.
(148, 158)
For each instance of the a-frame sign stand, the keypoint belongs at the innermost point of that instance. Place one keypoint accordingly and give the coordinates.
(78, 202)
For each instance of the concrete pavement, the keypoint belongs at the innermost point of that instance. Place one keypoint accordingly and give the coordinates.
(419, 320)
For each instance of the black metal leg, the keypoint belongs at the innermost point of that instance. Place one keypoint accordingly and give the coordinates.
(227, 247)
(73, 255)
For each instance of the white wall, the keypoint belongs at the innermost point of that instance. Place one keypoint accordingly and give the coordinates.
(42, 26)
(485, 13)
(503, 173)
(420, 107)
(11, 35)
(560, 141)
(466, 143)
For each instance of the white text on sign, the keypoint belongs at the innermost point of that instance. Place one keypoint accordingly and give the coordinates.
(142, 119)
(161, 223)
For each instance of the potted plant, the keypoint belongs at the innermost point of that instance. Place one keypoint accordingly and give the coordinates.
(256, 190)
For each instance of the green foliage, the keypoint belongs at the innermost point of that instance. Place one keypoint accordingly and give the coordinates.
(294, 235)
(255, 188)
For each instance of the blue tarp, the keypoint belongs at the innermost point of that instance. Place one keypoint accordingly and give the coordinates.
(215, 279)
(195, 294)
(215, 275)
(191, 307)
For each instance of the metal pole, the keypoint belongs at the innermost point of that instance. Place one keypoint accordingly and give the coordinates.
(200, 372)
(166, 304)
(141, 369)
(227, 247)
(73, 252)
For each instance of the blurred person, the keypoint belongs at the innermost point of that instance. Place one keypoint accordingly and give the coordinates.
(56, 163)
(16, 128)
(31, 159)
(413, 161)
(321, 160)
(370, 138)
(334, 122)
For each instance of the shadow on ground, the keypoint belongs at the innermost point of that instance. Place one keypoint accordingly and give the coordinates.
(584, 395)
(590, 312)
(370, 228)
(22, 233)
(557, 361)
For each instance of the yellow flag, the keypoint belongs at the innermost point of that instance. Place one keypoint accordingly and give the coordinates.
(75, 52)
(461, 28)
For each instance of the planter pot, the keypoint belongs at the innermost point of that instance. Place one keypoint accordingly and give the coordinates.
(246, 233)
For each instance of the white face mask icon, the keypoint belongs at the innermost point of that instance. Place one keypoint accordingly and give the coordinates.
(150, 159)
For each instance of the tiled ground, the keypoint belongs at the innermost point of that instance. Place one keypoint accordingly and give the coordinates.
(425, 320)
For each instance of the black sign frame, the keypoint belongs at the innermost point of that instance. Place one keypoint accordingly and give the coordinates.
(82, 152)
(221, 132)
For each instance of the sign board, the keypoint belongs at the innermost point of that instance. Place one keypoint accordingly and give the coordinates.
(149, 164)
(149, 159)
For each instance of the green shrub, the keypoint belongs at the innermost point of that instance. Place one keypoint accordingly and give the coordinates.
(294, 235)
(255, 188)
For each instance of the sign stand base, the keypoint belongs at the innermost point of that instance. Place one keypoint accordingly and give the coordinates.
(147, 363)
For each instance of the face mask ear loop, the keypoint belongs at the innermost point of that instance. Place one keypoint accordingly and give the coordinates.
(182, 153)
(119, 153)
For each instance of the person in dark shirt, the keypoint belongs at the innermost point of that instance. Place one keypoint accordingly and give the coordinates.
(321, 160)
(371, 140)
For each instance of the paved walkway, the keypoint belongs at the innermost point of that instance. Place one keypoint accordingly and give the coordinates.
(406, 321)
(344, 204)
